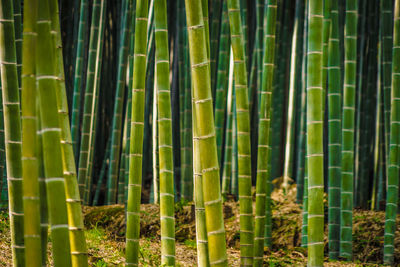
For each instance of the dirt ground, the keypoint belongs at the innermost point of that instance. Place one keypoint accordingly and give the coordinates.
(106, 229)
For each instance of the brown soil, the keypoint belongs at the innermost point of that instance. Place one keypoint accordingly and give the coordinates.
(286, 250)
(286, 233)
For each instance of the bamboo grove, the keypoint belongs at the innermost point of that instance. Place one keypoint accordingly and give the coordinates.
(201, 102)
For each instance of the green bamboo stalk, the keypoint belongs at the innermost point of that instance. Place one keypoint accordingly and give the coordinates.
(118, 106)
(301, 148)
(31, 197)
(129, 101)
(361, 79)
(394, 153)
(381, 183)
(301, 165)
(12, 130)
(102, 173)
(3, 177)
(245, 29)
(18, 37)
(304, 226)
(52, 154)
(206, 135)
(227, 165)
(164, 135)
(243, 134)
(292, 101)
(386, 15)
(279, 89)
(94, 108)
(137, 125)
(78, 77)
(377, 138)
(121, 178)
(201, 229)
(181, 21)
(75, 219)
(181, 74)
(149, 82)
(155, 197)
(260, 17)
(348, 121)
(234, 182)
(216, 36)
(315, 135)
(123, 162)
(263, 186)
(186, 150)
(89, 93)
(222, 80)
(325, 40)
(366, 162)
(44, 214)
(204, 8)
(93, 124)
(299, 96)
(334, 128)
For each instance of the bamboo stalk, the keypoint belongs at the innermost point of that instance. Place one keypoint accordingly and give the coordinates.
(137, 125)
(75, 219)
(118, 106)
(78, 77)
(394, 152)
(222, 80)
(90, 91)
(350, 47)
(334, 128)
(12, 129)
(52, 153)
(206, 135)
(315, 135)
(31, 197)
(243, 133)
(164, 135)
(263, 186)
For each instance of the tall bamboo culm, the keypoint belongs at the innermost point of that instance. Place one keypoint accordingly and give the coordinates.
(334, 128)
(44, 214)
(33, 249)
(75, 219)
(89, 95)
(315, 159)
(243, 133)
(95, 105)
(201, 229)
(392, 196)
(12, 130)
(118, 104)
(78, 78)
(222, 80)
(167, 196)
(204, 119)
(137, 128)
(51, 136)
(348, 122)
(263, 186)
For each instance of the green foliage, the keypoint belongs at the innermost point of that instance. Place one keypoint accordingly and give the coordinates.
(191, 243)
(4, 221)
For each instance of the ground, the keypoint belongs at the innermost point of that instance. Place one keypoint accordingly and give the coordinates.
(105, 230)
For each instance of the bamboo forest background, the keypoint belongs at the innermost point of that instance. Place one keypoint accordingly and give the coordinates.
(201, 101)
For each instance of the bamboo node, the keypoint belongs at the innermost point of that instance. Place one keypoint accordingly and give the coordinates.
(193, 27)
